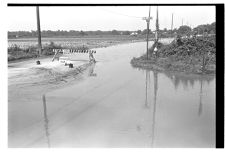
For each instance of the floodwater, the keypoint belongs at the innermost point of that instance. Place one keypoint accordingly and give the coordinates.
(117, 105)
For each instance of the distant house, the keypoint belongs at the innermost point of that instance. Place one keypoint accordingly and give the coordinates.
(134, 34)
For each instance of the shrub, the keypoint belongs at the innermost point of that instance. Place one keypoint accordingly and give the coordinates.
(14, 48)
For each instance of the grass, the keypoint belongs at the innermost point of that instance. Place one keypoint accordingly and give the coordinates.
(191, 56)
(15, 52)
(27, 47)
(89, 41)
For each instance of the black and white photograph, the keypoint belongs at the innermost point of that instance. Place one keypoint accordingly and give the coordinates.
(111, 75)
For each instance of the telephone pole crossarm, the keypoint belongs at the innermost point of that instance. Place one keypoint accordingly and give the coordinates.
(147, 19)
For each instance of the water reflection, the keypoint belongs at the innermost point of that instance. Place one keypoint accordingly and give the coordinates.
(147, 101)
(155, 74)
(46, 120)
(200, 100)
(147, 88)
(186, 80)
(91, 71)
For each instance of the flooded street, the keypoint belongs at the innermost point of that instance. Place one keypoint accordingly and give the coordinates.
(116, 105)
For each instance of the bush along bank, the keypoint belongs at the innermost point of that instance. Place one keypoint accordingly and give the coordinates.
(190, 55)
(15, 52)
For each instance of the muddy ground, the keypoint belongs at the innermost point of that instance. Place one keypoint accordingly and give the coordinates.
(27, 78)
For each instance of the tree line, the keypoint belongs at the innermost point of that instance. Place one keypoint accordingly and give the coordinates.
(182, 30)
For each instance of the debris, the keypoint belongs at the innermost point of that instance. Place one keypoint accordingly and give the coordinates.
(70, 65)
(38, 62)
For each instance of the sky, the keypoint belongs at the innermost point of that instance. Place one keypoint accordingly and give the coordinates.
(106, 17)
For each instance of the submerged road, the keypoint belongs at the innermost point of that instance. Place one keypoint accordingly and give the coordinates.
(116, 105)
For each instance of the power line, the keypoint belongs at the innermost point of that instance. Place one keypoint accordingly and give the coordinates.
(121, 13)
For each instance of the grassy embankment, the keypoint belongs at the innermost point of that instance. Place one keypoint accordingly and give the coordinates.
(190, 55)
(27, 48)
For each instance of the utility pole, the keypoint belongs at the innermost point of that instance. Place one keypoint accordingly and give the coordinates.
(148, 22)
(38, 31)
(157, 26)
(172, 26)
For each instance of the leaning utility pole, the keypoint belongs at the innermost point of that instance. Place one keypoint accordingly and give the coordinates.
(148, 22)
(172, 26)
(38, 31)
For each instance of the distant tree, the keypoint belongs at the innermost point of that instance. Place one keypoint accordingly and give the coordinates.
(145, 31)
(212, 28)
(33, 33)
(82, 33)
(138, 31)
(184, 30)
(126, 33)
(174, 30)
(98, 32)
(115, 32)
(200, 29)
(206, 28)
(73, 33)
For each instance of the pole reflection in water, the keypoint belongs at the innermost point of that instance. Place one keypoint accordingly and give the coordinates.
(147, 101)
(147, 86)
(200, 100)
(91, 71)
(46, 120)
(155, 74)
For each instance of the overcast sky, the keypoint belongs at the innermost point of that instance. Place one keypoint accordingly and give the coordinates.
(106, 17)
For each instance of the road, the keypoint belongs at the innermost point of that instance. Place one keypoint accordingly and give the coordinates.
(115, 105)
